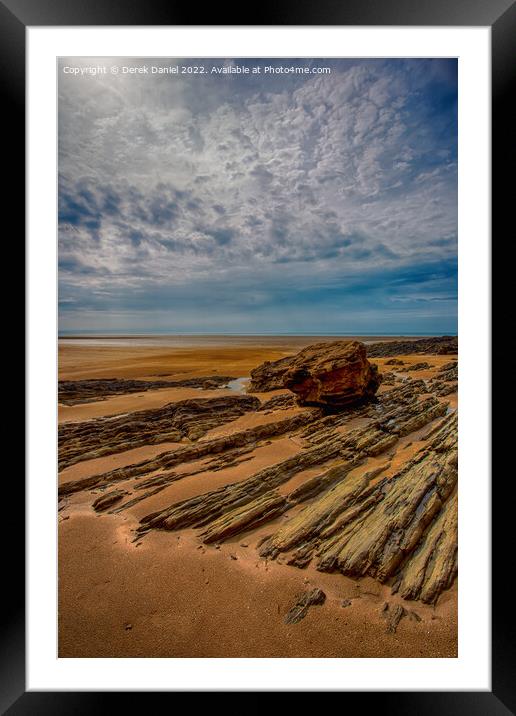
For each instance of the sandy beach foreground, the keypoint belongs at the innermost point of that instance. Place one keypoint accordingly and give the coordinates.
(168, 591)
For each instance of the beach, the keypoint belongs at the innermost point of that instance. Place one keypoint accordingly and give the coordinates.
(125, 591)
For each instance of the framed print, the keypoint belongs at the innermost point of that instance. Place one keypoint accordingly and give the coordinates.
(258, 375)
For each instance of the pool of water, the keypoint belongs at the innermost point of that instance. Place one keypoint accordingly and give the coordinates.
(238, 385)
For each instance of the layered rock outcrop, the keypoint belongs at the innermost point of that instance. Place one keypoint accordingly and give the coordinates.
(438, 345)
(189, 419)
(369, 490)
(75, 392)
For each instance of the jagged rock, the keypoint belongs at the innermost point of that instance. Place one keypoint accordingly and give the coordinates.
(301, 607)
(393, 616)
(388, 378)
(186, 418)
(442, 388)
(335, 374)
(449, 372)
(107, 500)
(394, 361)
(434, 566)
(189, 453)
(268, 376)
(415, 366)
(261, 510)
(364, 527)
(227, 501)
(452, 365)
(74, 392)
(440, 345)
(222, 509)
(279, 402)
(399, 529)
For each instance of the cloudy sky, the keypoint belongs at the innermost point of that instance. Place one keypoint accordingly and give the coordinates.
(259, 203)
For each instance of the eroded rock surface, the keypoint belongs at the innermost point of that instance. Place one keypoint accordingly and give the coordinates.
(393, 614)
(303, 604)
(370, 505)
(74, 392)
(439, 345)
(403, 527)
(333, 375)
(268, 376)
(197, 451)
(108, 500)
(185, 419)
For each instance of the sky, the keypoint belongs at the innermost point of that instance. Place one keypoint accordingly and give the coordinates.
(321, 202)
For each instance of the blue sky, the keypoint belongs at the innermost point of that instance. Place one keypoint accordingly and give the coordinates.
(314, 203)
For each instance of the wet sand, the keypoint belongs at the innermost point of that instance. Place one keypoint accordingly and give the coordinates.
(167, 595)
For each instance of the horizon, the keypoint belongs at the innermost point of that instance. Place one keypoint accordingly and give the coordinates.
(293, 204)
(87, 334)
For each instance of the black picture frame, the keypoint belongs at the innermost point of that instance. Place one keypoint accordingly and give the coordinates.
(500, 15)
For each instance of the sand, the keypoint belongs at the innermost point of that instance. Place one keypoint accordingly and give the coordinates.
(166, 595)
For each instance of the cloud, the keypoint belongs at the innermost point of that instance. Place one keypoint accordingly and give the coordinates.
(175, 191)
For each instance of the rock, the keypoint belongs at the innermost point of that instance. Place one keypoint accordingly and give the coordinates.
(268, 376)
(393, 616)
(404, 526)
(400, 530)
(106, 436)
(416, 366)
(394, 361)
(335, 374)
(446, 349)
(74, 392)
(105, 501)
(449, 372)
(301, 607)
(452, 365)
(441, 388)
(189, 453)
(388, 378)
(239, 506)
(440, 345)
(285, 401)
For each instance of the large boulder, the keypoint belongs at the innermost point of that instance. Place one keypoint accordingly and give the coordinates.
(268, 376)
(333, 375)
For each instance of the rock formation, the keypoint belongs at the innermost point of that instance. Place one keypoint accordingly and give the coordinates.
(108, 500)
(379, 498)
(196, 451)
(333, 375)
(185, 419)
(74, 392)
(268, 376)
(381, 528)
(303, 604)
(439, 345)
